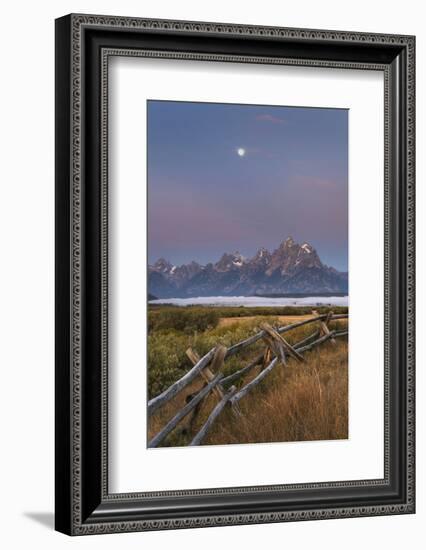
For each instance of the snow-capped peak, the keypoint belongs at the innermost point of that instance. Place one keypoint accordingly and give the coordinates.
(162, 265)
(262, 252)
(238, 259)
(307, 248)
(287, 243)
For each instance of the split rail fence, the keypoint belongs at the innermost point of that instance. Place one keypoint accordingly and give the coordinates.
(277, 351)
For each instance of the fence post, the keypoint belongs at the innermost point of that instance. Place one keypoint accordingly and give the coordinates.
(171, 425)
(324, 330)
(216, 365)
(281, 342)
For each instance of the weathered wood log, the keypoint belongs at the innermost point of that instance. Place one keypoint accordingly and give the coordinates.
(303, 342)
(216, 364)
(192, 356)
(287, 328)
(244, 391)
(328, 318)
(218, 358)
(324, 326)
(267, 357)
(244, 343)
(156, 440)
(332, 334)
(276, 347)
(326, 330)
(317, 342)
(241, 372)
(213, 416)
(175, 388)
(281, 341)
(188, 423)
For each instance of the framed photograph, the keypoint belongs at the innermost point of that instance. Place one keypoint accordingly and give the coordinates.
(234, 274)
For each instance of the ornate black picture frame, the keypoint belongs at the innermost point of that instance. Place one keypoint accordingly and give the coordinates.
(83, 45)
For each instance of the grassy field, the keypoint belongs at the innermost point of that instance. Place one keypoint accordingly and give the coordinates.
(303, 401)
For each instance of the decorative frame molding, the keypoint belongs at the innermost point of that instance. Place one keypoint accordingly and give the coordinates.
(83, 504)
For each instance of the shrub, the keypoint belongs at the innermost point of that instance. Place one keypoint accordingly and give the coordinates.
(184, 320)
(167, 360)
(173, 330)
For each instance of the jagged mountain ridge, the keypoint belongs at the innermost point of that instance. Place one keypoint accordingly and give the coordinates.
(291, 268)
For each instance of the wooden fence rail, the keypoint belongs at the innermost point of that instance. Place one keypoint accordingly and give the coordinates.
(183, 412)
(244, 343)
(210, 365)
(256, 361)
(255, 381)
(178, 386)
(214, 414)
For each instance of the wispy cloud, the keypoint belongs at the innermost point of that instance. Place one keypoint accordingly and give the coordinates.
(271, 119)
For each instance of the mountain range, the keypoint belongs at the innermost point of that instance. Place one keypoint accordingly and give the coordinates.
(291, 268)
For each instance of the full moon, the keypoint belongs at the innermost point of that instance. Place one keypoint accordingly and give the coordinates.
(241, 152)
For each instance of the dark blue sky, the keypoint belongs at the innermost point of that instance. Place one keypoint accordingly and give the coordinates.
(205, 199)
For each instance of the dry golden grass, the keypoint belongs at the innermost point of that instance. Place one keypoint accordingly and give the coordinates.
(284, 319)
(301, 402)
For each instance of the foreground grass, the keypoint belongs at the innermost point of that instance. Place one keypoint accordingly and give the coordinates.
(300, 402)
(167, 360)
(304, 402)
(171, 330)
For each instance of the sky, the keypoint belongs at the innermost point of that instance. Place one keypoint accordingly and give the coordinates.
(226, 178)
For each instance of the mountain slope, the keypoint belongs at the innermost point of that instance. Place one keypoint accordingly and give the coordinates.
(291, 268)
